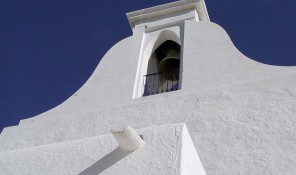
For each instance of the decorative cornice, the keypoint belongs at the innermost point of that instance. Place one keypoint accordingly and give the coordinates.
(136, 17)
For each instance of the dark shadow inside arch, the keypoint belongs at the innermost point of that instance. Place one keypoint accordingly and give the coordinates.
(163, 69)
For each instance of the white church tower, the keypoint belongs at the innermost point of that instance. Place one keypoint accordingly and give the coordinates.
(195, 103)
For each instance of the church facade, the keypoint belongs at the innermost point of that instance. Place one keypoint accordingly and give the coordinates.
(198, 103)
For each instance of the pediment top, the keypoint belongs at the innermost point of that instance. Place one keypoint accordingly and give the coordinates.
(167, 9)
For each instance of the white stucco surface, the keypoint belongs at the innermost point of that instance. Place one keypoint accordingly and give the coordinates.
(239, 113)
(162, 154)
(247, 128)
(209, 60)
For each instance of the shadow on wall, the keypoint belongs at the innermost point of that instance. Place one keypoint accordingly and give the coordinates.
(106, 162)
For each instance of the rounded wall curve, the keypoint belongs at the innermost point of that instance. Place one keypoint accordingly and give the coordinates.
(211, 60)
(111, 83)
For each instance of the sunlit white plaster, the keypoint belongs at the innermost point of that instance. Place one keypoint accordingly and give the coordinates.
(240, 113)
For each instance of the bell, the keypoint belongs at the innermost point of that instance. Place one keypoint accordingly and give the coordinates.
(170, 65)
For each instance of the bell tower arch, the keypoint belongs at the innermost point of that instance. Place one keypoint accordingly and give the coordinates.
(160, 70)
(162, 31)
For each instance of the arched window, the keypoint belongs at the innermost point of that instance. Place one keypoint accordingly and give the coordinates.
(163, 69)
(159, 64)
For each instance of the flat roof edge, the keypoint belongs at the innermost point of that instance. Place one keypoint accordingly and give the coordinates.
(139, 15)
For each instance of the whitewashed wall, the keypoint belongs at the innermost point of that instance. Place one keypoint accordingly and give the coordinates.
(240, 113)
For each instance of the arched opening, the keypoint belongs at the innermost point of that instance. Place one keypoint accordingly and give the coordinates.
(163, 69)
(149, 61)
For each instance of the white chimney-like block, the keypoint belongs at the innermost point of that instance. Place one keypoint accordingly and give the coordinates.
(128, 139)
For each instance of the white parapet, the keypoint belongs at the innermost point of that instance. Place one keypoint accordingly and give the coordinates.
(168, 150)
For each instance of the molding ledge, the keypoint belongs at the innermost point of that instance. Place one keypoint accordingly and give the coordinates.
(148, 14)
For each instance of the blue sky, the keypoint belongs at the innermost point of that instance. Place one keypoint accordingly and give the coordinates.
(49, 48)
